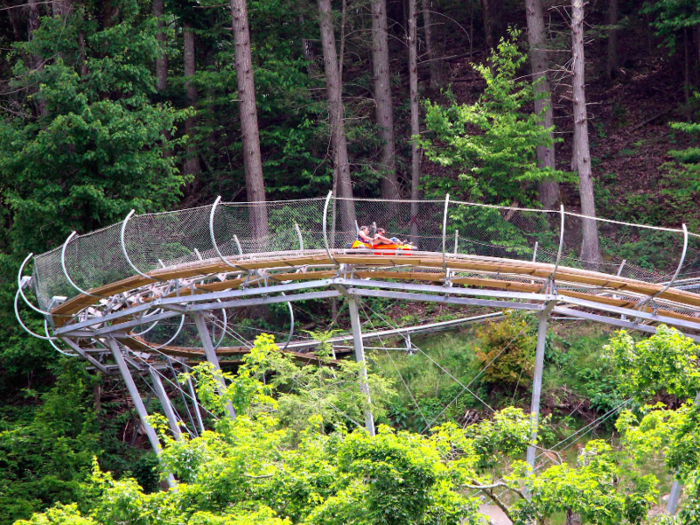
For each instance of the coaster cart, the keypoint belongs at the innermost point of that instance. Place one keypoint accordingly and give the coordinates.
(383, 249)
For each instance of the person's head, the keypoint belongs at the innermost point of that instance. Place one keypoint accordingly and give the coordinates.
(382, 231)
(364, 229)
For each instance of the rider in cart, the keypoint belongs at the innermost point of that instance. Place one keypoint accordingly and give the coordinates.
(381, 239)
(363, 235)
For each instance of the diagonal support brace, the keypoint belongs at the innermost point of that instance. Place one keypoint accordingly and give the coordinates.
(210, 353)
(136, 398)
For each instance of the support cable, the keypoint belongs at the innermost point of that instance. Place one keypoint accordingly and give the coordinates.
(178, 417)
(184, 365)
(184, 400)
(318, 398)
(415, 403)
(595, 422)
(472, 381)
(433, 360)
(168, 380)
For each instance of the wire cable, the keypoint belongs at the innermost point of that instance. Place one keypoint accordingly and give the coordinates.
(435, 362)
(415, 403)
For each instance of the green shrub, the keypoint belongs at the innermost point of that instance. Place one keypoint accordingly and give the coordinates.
(506, 349)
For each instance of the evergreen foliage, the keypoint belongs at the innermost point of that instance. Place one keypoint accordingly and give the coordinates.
(492, 141)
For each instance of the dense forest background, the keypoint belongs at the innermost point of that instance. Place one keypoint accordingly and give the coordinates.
(109, 106)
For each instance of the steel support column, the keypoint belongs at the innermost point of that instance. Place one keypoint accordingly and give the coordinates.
(677, 488)
(210, 353)
(136, 398)
(673, 497)
(360, 358)
(165, 403)
(543, 317)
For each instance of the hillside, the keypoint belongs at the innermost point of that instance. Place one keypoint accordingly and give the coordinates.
(109, 107)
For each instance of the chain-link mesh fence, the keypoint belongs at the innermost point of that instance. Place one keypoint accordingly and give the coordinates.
(257, 230)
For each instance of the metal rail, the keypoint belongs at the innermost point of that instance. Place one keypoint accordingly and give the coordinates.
(126, 255)
(20, 286)
(65, 270)
(678, 270)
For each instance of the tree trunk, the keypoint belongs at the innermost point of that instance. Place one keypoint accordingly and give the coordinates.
(433, 64)
(412, 38)
(15, 16)
(162, 60)
(548, 190)
(613, 66)
(81, 54)
(192, 166)
(252, 159)
(335, 111)
(686, 81)
(590, 251)
(382, 99)
(61, 7)
(493, 21)
(35, 60)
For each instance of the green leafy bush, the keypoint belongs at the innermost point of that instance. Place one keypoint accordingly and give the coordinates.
(506, 349)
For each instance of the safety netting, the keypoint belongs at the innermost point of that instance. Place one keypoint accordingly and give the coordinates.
(240, 231)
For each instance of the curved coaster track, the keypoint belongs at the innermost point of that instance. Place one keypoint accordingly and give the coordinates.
(157, 293)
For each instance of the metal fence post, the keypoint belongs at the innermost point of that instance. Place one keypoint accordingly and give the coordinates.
(561, 246)
(444, 234)
(301, 239)
(124, 251)
(325, 225)
(65, 270)
(21, 283)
